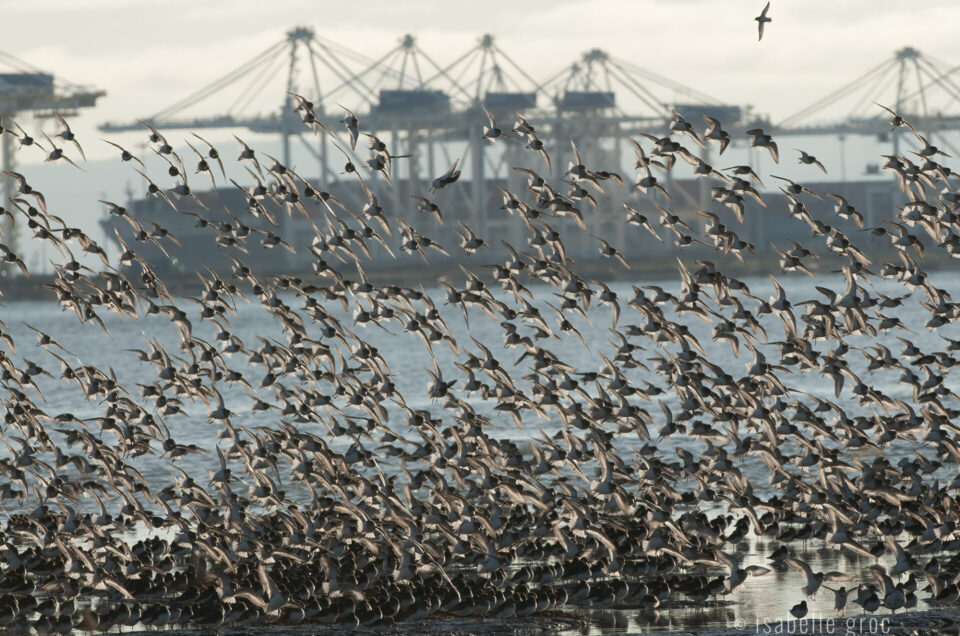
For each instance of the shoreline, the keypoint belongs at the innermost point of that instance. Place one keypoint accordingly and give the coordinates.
(930, 621)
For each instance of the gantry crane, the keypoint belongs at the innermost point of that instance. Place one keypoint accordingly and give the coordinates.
(423, 110)
(27, 90)
(250, 80)
(917, 86)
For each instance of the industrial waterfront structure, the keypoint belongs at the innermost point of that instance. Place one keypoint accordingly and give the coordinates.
(28, 91)
(431, 111)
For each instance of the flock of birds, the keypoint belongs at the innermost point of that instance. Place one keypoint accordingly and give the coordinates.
(345, 506)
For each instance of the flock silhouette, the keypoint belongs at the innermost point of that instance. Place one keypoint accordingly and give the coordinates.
(346, 506)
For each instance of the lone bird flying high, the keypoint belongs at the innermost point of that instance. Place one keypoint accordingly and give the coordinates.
(762, 20)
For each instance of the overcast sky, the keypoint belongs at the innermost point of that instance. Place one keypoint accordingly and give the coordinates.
(147, 55)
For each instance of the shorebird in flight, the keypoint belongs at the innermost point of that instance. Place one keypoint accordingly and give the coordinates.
(762, 20)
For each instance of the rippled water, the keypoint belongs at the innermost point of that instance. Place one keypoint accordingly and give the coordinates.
(760, 600)
(767, 597)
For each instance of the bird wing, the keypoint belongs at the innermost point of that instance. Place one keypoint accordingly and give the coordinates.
(493, 123)
(802, 567)
(894, 547)
(858, 549)
(714, 124)
(886, 583)
(727, 560)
